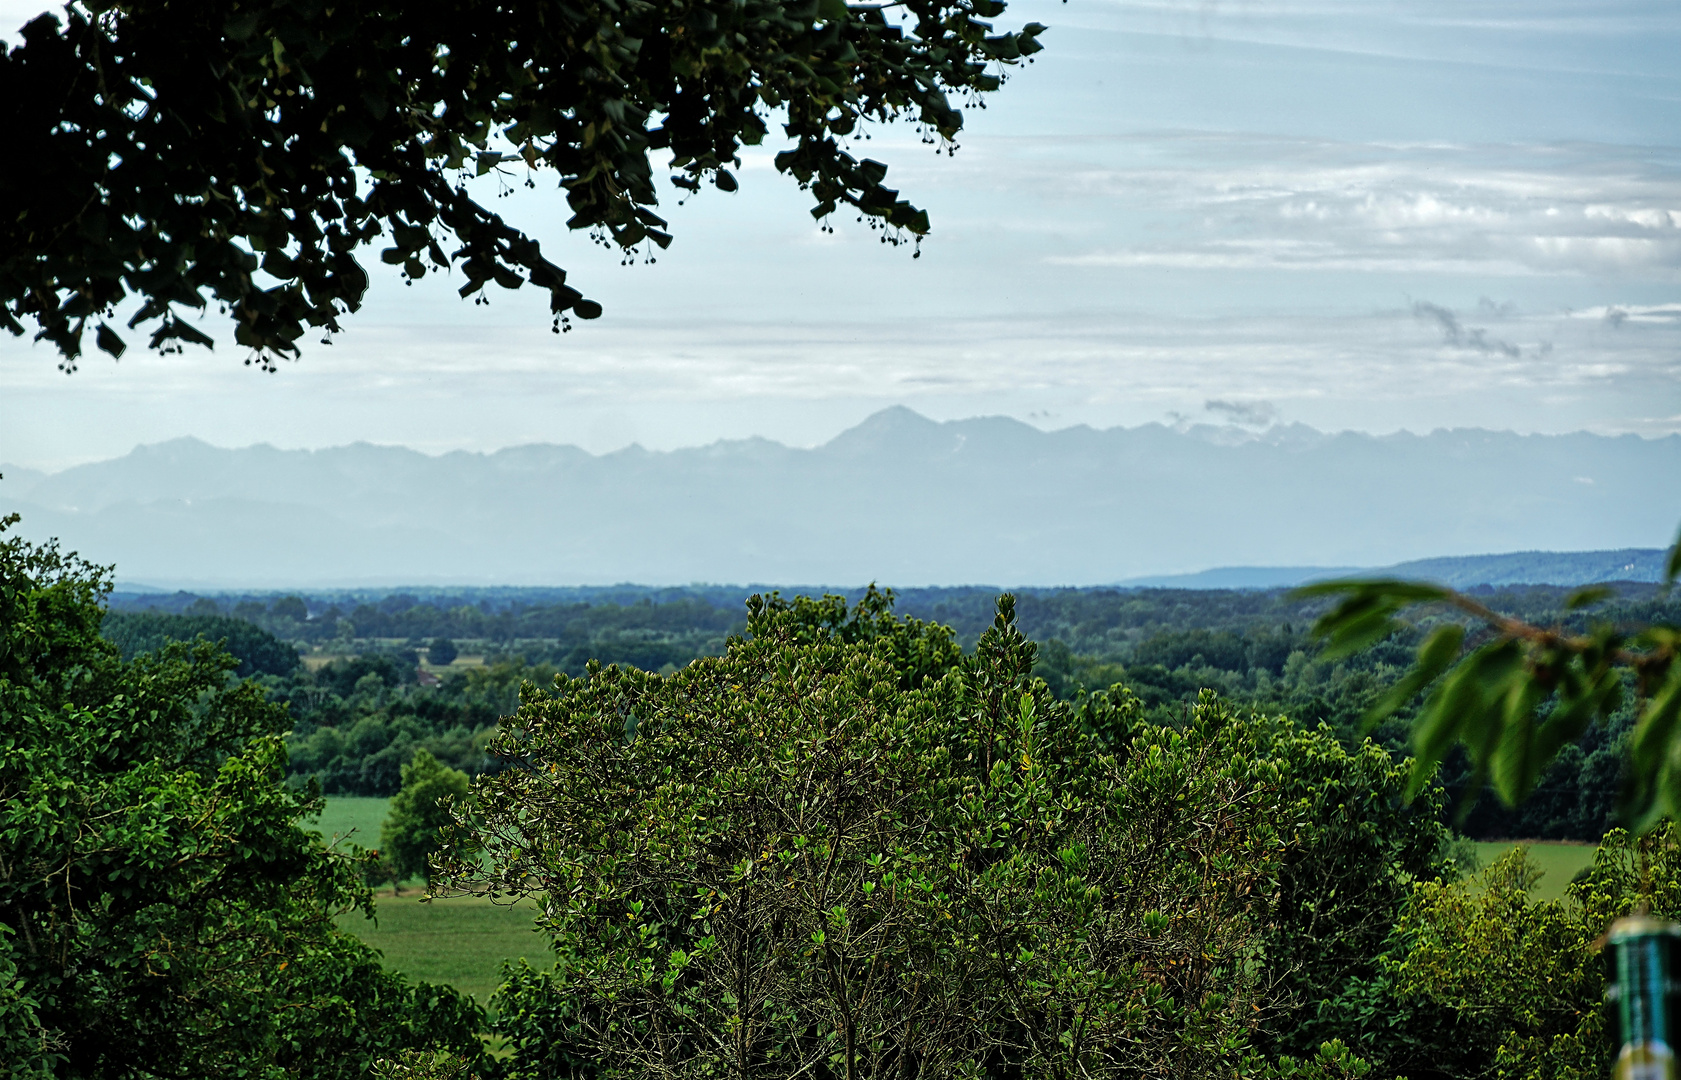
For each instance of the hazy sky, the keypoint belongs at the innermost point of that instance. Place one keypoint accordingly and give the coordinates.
(1351, 213)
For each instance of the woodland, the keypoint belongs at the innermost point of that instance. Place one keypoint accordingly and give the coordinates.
(847, 843)
(361, 715)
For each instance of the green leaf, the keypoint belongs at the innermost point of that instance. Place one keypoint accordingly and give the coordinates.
(1358, 632)
(1518, 758)
(1672, 565)
(1439, 724)
(1467, 706)
(108, 341)
(1438, 651)
(1409, 592)
(1652, 745)
(1366, 616)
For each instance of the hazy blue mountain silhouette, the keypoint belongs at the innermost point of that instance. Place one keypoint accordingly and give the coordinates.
(898, 499)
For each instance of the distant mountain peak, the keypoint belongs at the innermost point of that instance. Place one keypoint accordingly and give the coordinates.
(893, 429)
(184, 444)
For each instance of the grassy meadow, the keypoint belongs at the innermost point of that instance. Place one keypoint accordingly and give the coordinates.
(353, 817)
(461, 941)
(1559, 862)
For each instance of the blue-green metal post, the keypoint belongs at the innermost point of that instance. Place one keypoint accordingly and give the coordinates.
(1643, 997)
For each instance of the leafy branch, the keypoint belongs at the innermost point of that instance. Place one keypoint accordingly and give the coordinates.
(1516, 694)
(303, 130)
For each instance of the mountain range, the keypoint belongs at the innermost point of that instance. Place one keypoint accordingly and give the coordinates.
(899, 499)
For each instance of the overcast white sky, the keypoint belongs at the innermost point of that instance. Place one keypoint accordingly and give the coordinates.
(1355, 213)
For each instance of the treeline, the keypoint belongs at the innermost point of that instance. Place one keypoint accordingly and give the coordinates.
(1256, 648)
(363, 713)
(1104, 623)
(403, 616)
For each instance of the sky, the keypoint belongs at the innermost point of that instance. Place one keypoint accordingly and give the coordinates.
(1353, 214)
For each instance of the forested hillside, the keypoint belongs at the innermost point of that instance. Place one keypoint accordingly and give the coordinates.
(367, 693)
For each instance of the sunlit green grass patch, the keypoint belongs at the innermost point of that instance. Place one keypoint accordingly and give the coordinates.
(461, 941)
(1558, 861)
(355, 817)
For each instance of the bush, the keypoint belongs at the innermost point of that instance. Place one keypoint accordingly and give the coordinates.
(164, 911)
(442, 651)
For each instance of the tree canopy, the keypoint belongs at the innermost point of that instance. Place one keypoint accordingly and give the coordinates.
(846, 849)
(163, 912)
(410, 833)
(255, 649)
(188, 152)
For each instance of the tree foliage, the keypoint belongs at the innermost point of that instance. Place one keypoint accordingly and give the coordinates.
(303, 129)
(1167, 645)
(1517, 985)
(1514, 694)
(162, 913)
(442, 652)
(357, 722)
(257, 651)
(420, 808)
(848, 850)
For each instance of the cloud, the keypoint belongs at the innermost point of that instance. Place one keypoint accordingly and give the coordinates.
(1456, 334)
(1240, 203)
(1615, 315)
(683, 382)
(1259, 414)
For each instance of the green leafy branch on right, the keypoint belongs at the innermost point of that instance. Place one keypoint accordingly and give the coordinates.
(1514, 694)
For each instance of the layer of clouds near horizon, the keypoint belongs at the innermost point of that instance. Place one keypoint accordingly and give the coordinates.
(1355, 213)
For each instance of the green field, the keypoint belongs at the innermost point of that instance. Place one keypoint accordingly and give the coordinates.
(354, 817)
(460, 941)
(1558, 862)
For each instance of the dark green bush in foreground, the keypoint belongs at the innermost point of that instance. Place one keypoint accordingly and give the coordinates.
(162, 914)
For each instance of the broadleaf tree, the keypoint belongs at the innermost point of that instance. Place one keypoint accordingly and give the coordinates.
(164, 912)
(420, 808)
(250, 175)
(843, 849)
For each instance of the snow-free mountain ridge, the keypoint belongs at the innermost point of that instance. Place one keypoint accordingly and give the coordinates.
(899, 499)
